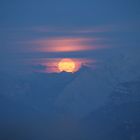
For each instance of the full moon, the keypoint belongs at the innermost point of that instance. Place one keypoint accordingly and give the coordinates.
(67, 65)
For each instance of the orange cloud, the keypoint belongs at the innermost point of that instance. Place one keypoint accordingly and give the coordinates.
(65, 44)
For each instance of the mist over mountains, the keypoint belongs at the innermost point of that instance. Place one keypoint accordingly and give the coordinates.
(88, 104)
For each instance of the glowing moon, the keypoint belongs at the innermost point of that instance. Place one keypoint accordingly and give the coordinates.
(67, 65)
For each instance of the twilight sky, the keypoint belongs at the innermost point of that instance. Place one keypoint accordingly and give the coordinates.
(33, 31)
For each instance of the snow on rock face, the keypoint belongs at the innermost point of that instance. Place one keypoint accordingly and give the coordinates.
(126, 92)
(125, 65)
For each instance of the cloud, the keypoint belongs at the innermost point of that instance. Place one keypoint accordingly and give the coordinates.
(76, 30)
(50, 65)
(65, 44)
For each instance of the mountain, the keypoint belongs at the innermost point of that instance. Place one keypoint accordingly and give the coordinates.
(62, 94)
(88, 91)
(91, 103)
(119, 118)
(38, 91)
(27, 106)
(91, 89)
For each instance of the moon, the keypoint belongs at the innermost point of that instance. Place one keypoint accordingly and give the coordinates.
(67, 65)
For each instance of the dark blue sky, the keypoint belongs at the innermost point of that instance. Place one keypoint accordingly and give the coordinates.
(24, 23)
(19, 13)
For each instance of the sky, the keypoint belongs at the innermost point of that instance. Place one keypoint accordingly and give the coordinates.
(34, 31)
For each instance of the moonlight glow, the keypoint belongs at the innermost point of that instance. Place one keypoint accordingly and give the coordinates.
(67, 65)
